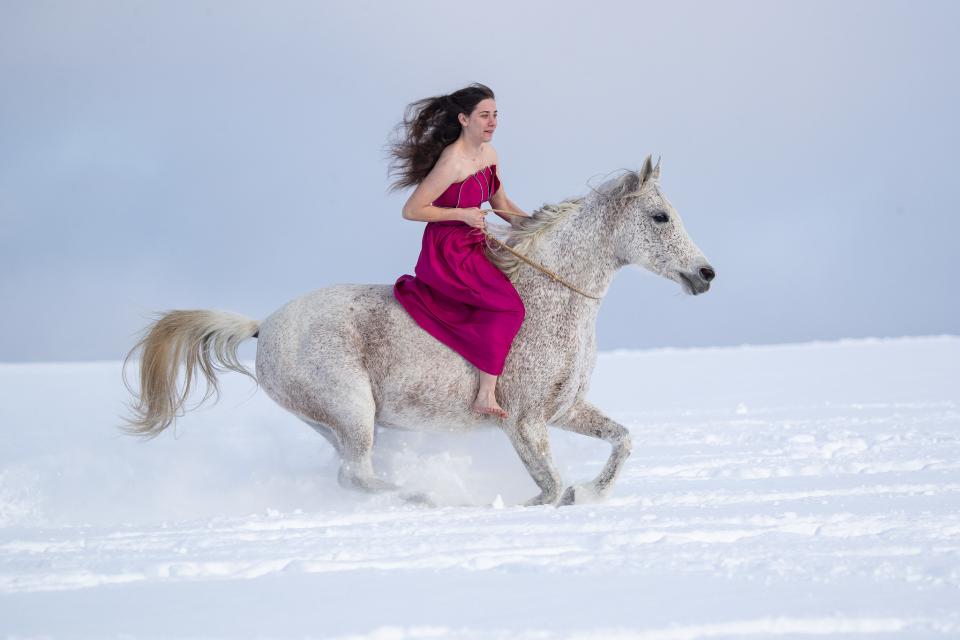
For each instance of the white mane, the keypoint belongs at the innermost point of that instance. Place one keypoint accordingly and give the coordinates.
(523, 237)
(526, 234)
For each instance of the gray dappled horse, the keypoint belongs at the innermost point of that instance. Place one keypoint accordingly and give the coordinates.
(349, 357)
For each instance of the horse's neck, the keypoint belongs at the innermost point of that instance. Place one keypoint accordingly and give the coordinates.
(577, 250)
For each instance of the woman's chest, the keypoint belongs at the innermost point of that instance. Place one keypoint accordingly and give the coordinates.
(470, 192)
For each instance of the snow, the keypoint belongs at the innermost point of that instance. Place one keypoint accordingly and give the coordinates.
(807, 490)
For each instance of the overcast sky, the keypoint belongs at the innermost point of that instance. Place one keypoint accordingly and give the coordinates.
(228, 155)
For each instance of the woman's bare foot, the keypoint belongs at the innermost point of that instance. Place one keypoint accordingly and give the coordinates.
(486, 402)
(489, 407)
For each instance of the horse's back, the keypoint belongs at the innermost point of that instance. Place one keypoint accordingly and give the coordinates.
(320, 325)
(359, 335)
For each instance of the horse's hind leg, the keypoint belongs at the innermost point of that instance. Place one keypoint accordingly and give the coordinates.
(328, 434)
(344, 415)
(355, 434)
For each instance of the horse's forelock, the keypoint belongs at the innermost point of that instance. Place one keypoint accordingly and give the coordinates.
(623, 186)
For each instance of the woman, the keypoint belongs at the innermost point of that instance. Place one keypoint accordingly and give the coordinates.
(457, 296)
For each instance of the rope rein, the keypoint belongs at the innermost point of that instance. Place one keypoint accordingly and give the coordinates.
(539, 267)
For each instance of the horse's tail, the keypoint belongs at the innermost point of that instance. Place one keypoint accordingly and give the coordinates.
(207, 340)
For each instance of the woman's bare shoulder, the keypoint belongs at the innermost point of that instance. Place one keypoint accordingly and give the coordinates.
(445, 171)
(450, 161)
(492, 155)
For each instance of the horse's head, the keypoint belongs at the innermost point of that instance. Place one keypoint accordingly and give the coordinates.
(646, 230)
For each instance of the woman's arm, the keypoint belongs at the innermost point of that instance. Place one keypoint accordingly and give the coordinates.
(504, 203)
(500, 200)
(418, 206)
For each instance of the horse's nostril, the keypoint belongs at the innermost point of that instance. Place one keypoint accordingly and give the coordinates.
(707, 273)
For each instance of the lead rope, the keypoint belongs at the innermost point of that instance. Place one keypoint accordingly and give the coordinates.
(538, 267)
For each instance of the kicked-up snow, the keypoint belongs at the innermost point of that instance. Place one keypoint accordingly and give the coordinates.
(788, 491)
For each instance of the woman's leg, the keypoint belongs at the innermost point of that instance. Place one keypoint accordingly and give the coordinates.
(486, 402)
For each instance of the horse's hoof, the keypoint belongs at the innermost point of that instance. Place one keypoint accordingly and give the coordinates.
(419, 499)
(579, 494)
(541, 499)
(375, 485)
(367, 484)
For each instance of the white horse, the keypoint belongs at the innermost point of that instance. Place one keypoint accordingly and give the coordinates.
(349, 357)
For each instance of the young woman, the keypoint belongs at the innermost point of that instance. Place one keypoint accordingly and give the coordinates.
(457, 296)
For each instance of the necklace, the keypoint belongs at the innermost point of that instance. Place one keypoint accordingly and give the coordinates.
(476, 160)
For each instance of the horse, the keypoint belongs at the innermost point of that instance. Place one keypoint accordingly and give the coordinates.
(349, 358)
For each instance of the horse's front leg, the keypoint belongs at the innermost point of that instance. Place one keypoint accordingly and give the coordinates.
(585, 418)
(532, 443)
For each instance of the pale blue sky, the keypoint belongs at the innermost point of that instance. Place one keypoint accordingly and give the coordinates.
(158, 155)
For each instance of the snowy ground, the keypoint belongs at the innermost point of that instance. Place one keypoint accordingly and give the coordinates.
(793, 491)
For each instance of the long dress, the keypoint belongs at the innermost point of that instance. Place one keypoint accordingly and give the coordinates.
(458, 296)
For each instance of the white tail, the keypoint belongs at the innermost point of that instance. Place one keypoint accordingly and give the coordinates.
(207, 340)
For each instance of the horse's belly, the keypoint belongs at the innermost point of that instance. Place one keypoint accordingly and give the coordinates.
(443, 406)
(413, 422)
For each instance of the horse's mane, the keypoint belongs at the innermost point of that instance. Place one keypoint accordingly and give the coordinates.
(527, 231)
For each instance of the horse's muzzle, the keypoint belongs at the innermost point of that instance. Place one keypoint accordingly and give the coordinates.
(698, 281)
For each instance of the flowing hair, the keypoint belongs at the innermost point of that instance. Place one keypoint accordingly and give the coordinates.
(428, 126)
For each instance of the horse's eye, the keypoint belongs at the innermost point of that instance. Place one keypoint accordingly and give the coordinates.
(661, 217)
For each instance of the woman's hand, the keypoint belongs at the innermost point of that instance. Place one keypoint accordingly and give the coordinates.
(474, 217)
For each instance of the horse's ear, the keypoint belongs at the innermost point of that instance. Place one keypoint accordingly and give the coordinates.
(646, 170)
(656, 171)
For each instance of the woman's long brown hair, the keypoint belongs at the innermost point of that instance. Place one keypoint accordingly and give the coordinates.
(428, 126)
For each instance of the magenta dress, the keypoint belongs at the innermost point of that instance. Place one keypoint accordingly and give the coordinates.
(458, 296)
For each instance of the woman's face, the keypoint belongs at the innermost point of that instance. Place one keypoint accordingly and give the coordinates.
(482, 122)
